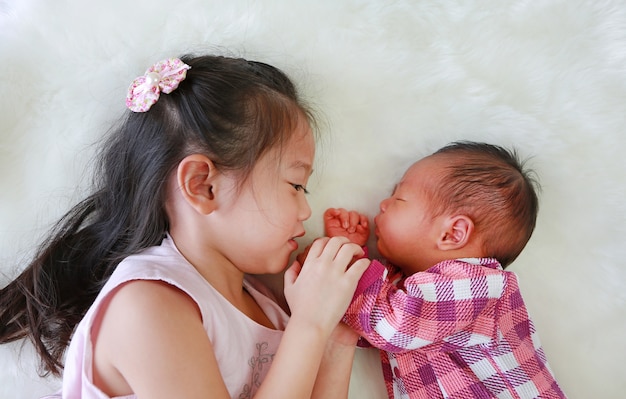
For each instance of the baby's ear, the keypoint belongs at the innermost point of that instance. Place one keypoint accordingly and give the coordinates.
(196, 177)
(456, 232)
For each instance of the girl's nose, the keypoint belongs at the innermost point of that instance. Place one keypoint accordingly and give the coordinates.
(305, 209)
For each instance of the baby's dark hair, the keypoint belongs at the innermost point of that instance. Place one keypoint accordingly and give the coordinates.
(230, 109)
(491, 185)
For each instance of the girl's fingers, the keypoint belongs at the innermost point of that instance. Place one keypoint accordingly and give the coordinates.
(347, 253)
(317, 247)
(357, 269)
(332, 247)
(333, 250)
(322, 288)
(291, 274)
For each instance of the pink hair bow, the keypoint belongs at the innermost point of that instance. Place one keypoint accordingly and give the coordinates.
(164, 76)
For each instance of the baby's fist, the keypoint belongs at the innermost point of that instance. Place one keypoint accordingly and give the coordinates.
(350, 224)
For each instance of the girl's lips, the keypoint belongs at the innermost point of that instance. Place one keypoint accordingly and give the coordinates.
(294, 244)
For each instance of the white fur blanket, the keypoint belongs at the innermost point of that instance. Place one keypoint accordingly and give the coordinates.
(394, 81)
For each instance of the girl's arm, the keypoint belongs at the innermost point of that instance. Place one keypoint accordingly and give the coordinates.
(318, 294)
(333, 377)
(151, 342)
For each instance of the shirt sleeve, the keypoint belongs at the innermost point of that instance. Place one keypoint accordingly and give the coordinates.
(451, 304)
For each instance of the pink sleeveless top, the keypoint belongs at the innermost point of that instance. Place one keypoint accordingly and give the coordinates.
(244, 349)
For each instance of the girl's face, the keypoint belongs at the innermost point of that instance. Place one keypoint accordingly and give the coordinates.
(265, 216)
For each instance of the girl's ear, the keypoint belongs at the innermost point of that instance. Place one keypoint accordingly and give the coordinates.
(196, 177)
(456, 232)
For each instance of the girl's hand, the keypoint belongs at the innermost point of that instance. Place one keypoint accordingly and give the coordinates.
(319, 291)
(301, 257)
(344, 223)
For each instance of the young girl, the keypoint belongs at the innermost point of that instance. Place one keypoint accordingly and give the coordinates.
(202, 185)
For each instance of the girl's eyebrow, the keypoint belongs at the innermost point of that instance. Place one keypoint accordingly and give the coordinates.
(302, 165)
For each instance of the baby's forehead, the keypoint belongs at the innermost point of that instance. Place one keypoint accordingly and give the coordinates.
(427, 168)
(424, 175)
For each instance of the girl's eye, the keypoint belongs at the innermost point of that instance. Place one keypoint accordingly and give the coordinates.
(300, 187)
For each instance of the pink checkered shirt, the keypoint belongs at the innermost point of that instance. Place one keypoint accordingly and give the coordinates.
(458, 330)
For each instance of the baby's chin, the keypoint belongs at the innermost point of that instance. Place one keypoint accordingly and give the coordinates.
(381, 249)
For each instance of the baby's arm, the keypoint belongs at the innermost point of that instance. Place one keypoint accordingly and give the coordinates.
(344, 223)
(398, 318)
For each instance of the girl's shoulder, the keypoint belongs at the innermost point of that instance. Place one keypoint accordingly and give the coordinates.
(159, 263)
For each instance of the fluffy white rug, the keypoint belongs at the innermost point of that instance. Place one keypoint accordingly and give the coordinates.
(394, 81)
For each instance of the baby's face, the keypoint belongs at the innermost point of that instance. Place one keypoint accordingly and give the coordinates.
(405, 228)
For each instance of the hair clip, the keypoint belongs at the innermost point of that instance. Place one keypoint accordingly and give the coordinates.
(164, 76)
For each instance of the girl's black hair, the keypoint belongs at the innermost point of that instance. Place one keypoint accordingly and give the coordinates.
(230, 109)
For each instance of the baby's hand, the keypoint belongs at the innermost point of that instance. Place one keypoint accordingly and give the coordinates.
(344, 223)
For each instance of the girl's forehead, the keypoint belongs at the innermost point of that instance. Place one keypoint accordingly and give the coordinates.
(298, 152)
(300, 148)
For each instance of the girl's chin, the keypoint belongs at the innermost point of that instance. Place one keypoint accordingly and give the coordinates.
(281, 264)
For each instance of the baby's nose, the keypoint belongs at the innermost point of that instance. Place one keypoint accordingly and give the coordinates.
(383, 205)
